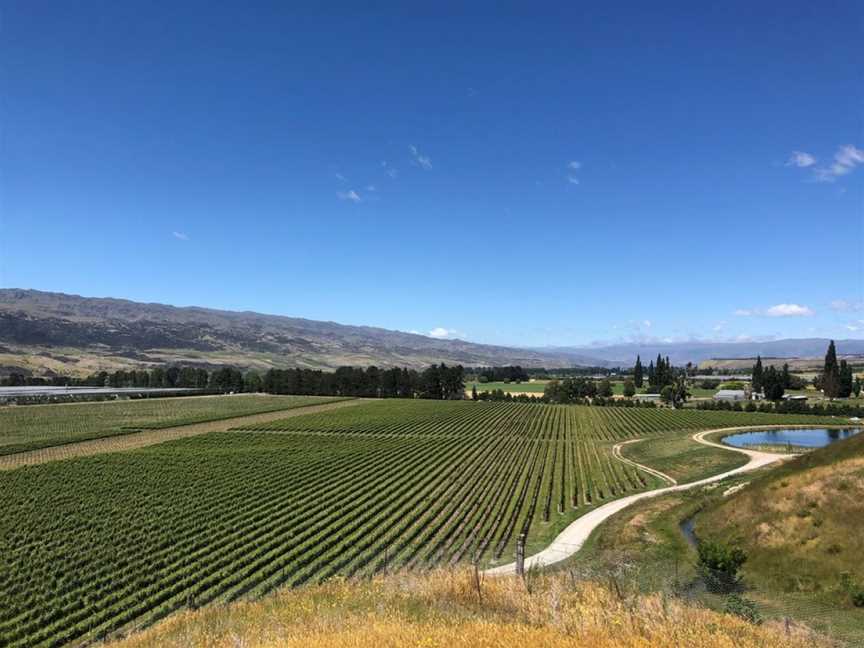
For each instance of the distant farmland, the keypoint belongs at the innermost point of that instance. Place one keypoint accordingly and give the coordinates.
(535, 387)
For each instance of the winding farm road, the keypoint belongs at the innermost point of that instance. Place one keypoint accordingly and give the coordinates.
(571, 539)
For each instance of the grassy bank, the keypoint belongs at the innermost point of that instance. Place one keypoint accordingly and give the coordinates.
(453, 609)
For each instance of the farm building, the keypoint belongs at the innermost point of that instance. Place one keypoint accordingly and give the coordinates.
(731, 395)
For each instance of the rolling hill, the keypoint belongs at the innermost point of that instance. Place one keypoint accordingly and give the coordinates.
(44, 333)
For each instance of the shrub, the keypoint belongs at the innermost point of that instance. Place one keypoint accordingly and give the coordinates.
(743, 608)
(718, 565)
(858, 598)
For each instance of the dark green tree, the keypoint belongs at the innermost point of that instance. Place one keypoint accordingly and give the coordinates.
(629, 388)
(772, 384)
(846, 380)
(831, 373)
(758, 373)
(605, 390)
(637, 373)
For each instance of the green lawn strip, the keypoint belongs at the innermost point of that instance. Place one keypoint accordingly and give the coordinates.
(682, 458)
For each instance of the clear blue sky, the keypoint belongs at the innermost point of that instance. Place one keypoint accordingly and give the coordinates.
(519, 175)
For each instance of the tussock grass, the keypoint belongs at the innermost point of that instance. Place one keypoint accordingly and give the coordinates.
(455, 608)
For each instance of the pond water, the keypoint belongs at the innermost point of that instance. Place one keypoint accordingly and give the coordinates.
(801, 437)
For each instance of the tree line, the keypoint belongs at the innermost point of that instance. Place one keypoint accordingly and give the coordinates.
(437, 382)
(434, 382)
(510, 373)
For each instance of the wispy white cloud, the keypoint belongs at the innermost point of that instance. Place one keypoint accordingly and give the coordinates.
(441, 333)
(846, 159)
(572, 167)
(846, 306)
(350, 195)
(423, 161)
(778, 310)
(180, 235)
(370, 188)
(801, 160)
(340, 177)
(389, 170)
(788, 310)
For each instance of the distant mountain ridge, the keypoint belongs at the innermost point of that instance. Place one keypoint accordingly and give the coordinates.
(46, 332)
(699, 351)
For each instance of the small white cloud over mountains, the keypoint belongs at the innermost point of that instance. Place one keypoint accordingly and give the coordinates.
(441, 333)
(778, 310)
(788, 310)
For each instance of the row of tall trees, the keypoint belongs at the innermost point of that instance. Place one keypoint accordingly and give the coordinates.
(661, 373)
(573, 390)
(438, 382)
(512, 373)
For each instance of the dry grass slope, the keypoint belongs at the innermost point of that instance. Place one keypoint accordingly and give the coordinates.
(444, 609)
(801, 525)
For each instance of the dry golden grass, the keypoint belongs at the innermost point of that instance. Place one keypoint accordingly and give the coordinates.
(444, 609)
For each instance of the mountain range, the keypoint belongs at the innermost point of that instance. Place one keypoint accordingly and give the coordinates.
(45, 333)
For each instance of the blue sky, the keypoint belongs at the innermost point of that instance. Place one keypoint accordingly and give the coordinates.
(506, 173)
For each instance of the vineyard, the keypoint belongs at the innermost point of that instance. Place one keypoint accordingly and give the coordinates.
(92, 546)
(40, 426)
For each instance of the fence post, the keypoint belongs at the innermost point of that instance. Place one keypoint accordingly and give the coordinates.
(520, 555)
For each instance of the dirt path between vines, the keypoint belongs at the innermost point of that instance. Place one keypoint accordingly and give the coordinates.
(146, 438)
(571, 539)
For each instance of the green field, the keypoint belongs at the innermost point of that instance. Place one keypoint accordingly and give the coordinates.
(94, 545)
(535, 387)
(679, 457)
(40, 426)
